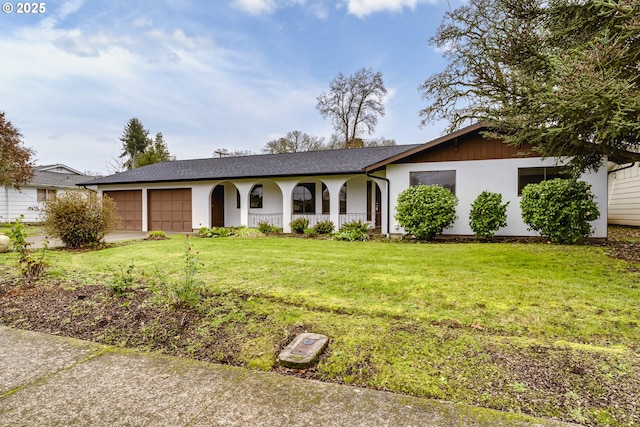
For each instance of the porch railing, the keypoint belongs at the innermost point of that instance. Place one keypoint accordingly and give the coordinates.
(351, 217)
(275, 219)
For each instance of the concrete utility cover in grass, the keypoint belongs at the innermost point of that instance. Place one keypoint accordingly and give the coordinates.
(303, 351)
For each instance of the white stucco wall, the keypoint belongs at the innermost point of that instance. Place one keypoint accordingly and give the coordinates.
(624, 195)
(499, 176)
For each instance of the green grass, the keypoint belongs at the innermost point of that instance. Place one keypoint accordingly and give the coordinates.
(486, 324)
(571, 293)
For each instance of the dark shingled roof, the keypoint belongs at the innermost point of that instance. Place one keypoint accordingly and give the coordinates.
(328, 162)
(56, 179)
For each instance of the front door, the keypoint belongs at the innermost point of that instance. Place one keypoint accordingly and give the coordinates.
(217, 206)
(378, 222)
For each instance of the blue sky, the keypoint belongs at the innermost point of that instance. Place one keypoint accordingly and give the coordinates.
(219, 74)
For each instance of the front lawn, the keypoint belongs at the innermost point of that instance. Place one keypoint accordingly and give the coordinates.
(545, 330)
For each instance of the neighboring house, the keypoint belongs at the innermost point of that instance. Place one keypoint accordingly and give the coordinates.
(624, 194)
(336, 185)
(47, 181)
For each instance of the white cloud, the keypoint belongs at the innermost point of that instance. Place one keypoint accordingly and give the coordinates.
(362, 8)
(255, 7)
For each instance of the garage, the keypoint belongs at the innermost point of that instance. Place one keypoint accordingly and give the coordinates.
(129, 208)
(170, 210)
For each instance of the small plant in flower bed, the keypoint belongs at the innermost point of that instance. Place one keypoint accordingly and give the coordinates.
(324, 227)
(559, 209)
(186, 292)
(353, 231)
(488, 214)
(214, 232)
(299, 225)
(243, 231)
(265, 227)
(156, 235)
(310, 232)
(122, 280)
(31, 266)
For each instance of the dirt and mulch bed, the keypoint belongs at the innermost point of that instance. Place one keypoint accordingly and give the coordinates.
(136, 320)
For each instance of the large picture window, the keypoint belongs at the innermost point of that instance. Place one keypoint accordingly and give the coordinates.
(537, 175)
(446, 179)
(304, 198)
(255, 198)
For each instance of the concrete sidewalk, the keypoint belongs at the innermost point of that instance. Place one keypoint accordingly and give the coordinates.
(47, 380)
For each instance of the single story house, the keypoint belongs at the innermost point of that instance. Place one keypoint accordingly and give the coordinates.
(47, 181)
(336, 185)
(624, 194)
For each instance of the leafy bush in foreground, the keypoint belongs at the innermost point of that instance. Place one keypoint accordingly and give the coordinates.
(426, 210)
(79, 218)
(488, 214)
(559, 209)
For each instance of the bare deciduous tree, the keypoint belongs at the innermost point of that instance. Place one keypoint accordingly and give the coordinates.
(353, 103)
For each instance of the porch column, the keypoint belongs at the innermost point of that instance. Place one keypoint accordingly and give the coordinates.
(245, 189)
(286, 187)
(334, 185)
(145, 210)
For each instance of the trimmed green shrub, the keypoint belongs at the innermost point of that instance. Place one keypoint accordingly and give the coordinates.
(299, 225)
(559, 209)
(488, 214)
(324, 227)
(353, 231)
(426, 210)
(79, 218)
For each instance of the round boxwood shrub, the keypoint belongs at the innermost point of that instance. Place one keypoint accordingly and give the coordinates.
(488, 214)
(79, 218)
(426, 210)
(559, 209)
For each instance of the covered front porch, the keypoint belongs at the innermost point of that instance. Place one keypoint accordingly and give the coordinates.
(278, 201)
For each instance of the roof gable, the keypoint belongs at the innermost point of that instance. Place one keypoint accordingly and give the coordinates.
(58, 168)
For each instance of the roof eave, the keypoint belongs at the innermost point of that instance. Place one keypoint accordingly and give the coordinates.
(226, 178)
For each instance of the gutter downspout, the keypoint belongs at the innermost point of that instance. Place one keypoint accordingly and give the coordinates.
(388, 199)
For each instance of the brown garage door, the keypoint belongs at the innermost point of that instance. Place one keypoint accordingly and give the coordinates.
(170, 210)
(129, 208)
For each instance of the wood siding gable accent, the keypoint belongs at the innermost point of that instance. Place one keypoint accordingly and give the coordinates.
(464, 144)
(469, 147)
